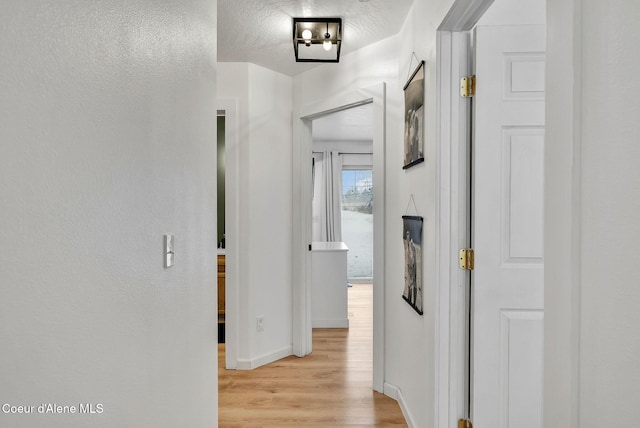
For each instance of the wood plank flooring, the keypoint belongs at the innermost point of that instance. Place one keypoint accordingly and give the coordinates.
(329, 388)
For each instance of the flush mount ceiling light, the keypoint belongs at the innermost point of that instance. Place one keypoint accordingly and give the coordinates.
(317, 39)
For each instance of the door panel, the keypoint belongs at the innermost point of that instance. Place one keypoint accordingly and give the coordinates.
(522, 182)
(507, 229)
(521, 334)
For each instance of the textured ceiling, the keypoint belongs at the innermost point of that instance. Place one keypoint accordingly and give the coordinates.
(260, 31)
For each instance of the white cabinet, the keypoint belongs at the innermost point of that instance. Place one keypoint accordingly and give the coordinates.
(329, 285)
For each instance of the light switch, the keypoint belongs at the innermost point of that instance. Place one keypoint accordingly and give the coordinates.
(168, 250)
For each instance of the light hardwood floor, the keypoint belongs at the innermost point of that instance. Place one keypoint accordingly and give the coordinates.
(329, 388)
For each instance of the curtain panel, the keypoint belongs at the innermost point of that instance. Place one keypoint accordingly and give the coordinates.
(327, 197)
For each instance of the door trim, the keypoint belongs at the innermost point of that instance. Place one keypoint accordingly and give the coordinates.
(232, 254)
(453, 211)
(302, 332)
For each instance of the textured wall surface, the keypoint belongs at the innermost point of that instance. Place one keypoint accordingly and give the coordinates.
(591, 338)
(609, 340)
(107, 135)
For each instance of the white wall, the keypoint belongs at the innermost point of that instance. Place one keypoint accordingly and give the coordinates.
(232, 85)
(360, 69)
(514, 12)
(409, 338)
(108, 141)
(265, 209)
(592, 181)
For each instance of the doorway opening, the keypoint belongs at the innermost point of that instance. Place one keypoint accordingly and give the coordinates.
(348, 134)
(342, 212)
(221, 238)
(228, 257)
(306, 117)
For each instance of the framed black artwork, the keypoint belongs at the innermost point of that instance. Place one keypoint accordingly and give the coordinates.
(414, 118)
(412, 242)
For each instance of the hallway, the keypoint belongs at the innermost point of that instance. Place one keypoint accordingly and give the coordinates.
(329, 388)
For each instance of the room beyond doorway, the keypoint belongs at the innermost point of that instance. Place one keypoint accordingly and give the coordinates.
(343, 185)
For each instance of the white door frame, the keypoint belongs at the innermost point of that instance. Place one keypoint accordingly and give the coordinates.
(302, 139)
(232, 254)
(453, 213)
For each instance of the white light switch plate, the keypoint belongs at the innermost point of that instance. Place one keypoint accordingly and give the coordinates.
(168, 250)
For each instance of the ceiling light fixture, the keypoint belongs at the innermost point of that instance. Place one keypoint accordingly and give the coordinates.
(321, 39)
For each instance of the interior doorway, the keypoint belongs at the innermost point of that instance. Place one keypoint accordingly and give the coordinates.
(302, 227)
(221, 238)
(228, 258)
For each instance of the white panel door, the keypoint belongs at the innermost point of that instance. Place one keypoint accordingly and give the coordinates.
(507, 228)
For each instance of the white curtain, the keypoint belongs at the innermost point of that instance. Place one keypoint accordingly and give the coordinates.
(327, 204)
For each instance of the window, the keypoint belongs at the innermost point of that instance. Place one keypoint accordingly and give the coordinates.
(357, 222)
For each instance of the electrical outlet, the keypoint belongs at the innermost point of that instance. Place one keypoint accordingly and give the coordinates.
(260, 323)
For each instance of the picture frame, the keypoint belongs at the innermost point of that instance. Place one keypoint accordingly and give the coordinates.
(412, 243)
(414, 118)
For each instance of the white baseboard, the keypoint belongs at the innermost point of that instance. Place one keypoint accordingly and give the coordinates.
(391, 391)
(361, 280)
(339, 323)
(394, 392)
(261, 360)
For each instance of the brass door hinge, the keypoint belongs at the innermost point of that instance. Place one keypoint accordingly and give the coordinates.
(468, 86)
(465, 423)
(465, 259)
